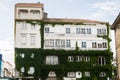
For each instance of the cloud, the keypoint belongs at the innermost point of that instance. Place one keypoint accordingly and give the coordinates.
(105, 9)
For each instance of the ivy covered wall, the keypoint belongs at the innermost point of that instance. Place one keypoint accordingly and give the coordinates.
(64, 66)
(42, 70)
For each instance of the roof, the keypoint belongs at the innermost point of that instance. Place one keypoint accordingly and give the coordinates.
(73, 20)
(30, 5)
(116, 22)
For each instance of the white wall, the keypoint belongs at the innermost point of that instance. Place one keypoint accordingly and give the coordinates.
(28, 32)
(59, 32)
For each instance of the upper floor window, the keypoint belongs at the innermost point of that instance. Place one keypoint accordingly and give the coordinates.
(46, 43)
(62, 43)
(35, 11)
(24, 25)
(70, 58)
(94, 45)
(57, 43)
(104, 45)
(23, 40)
(101, 61)
(68, 43)
(51, 43)
(83, 31)
(32, 40)
(77, 30)
(99, 45)
(83, 45)
(46, 29)
(67, 30)
(52, 60)
(101, 31)
(88, 30)
(32, 27)
(104, 31)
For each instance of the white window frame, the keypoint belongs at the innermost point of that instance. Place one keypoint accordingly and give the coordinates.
(51, 60)
(68, 43)
(101, 61)
(71, 74)
(77, 30)
(24, 25)
(102, 74)
(78, 58)
(47, 30)
(70, 58)
(23, 40)
(87, 74)
(68, 31)
(83, 45)
(88, 30)
(33, 40)
(87, 59)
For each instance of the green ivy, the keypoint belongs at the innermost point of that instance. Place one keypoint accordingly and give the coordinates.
(42, 70)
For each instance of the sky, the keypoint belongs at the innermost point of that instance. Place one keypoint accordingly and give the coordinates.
(101, 10)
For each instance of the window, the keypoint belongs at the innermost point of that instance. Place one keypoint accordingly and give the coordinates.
(23, 40)
(67, 30)
(51, 44)
(87, 59)
(24, 25)
(102, 74)
(52, 74)
(101, 61)
(70, 58)
(62, 43)
(99, 45)
(104, 31)
(88, 31)
(68, 43)
(101, 31)
(32, 26)
(31, 70)
(87, 74)
(46, 29)
(83, 44)
(83, 31)
(52, 60)
(104, 45)
(46, 43)
(94, 45)
(78, 74)
(32, 40)
(22, 55)
(78, 58)
(71, 74)
(77, 30)
(32, 55)
(57, 43)
(22, 69)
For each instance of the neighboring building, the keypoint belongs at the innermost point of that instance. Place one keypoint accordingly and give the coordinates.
(116, 26)
(60, 48)
(6, 70)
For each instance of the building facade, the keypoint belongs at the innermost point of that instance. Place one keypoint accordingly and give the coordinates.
(60, 48)
(115, 26)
